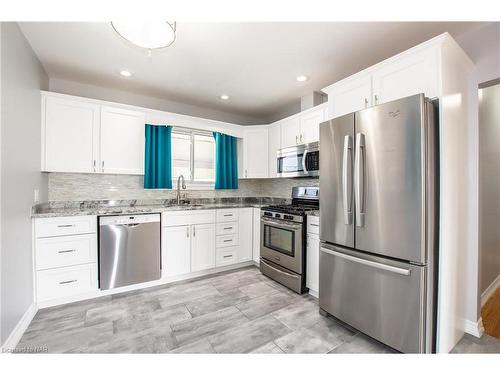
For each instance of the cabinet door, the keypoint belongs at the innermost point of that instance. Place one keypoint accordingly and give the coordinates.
(256, 234)
(70, 132)
(350, 95)
(202, 247)
(274, 146)
(122, 141)
(175, 250)
(290, 132)
(309, 125)
(405, 76)
(312, 269)
(255, 153)
(245, 234)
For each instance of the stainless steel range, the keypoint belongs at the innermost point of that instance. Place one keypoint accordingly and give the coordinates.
(283, 238)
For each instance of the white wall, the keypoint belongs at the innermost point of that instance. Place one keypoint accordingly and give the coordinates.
(120, 96)
(483, 47)
(22, 76)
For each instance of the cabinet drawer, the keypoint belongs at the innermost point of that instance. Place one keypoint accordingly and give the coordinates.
(226, 241)
(66, 281)
(227, 228)
(187, 217)
(227, 214)
(63, 226)
(226, 256)
(312, 225)
(64, 251)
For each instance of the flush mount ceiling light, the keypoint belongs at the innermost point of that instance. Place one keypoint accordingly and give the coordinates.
(148, 34)
(125, 73)
(224, 97)
(301, 78)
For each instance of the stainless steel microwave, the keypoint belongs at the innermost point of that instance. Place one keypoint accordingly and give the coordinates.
(299, 161)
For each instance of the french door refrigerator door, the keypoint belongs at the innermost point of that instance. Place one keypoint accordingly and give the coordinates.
(389, 176)
(380, 297)
(336, 182)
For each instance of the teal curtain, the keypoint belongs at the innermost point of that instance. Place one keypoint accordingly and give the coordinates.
(226, 162)
(158, 157)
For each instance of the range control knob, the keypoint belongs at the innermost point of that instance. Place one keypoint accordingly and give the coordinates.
(288, 217)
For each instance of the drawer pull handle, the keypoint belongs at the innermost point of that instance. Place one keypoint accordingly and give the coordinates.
(66, 225)
(66, 251)
(227, 215)
(228, 256)
(67, 282)
(227, 228)
(314, 225)
(228, 240)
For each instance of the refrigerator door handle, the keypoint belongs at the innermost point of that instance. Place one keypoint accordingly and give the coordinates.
(347, 180)
(385, 267)
(359, 179)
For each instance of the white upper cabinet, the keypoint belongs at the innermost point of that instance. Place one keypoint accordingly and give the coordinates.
(122, 141)
(349, 95)
(411, 74)
(255, 152)
(274, 146)
(309, 124)
(290, 132)
(69, 132)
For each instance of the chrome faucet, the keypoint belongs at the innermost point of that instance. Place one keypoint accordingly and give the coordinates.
(179, 188)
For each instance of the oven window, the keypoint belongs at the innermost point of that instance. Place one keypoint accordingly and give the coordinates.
(279, 239)
(290, 163)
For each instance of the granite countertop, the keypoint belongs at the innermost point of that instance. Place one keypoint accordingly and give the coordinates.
(118, 207)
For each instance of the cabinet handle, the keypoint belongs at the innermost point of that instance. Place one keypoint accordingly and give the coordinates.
(246, 174)
(314, 225)
(227, 228)
(228, 241)
(296, 139)
(67, 282)
(102, 169)
(227, 256)
(94, 165)
(366, 102)
(301, 138)
(376, 99)
(187, 232)
(227, 215)
(66, 225)
(194, 231)
(66, 251)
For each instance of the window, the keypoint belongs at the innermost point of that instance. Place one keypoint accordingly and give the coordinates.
(193, 156)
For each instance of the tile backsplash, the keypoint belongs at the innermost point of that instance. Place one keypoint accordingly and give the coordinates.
(80, 187)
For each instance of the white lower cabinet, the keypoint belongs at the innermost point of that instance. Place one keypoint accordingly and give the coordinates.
(202, 247)
(256, 234)
(245, 248)
(312, 250)
(176, 250)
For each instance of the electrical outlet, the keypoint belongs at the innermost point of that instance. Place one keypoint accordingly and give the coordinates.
(36, 195)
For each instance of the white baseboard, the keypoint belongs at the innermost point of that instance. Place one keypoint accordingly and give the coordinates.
(490, 290)
(314, 293)
(19, 329)
(474, 328)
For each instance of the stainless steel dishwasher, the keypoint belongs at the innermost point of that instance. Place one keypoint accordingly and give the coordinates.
(129, 250)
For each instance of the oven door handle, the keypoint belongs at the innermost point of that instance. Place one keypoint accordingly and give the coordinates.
(281, 224)
(278, 270)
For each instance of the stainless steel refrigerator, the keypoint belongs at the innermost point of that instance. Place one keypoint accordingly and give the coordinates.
(378, 212)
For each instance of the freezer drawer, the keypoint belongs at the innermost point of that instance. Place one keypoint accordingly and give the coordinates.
(382, 298)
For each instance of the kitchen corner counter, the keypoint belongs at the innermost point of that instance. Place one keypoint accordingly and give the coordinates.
(71, 208)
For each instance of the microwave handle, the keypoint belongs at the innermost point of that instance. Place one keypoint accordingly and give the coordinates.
(304, 161)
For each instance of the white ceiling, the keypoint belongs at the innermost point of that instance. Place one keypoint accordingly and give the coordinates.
(255, 63)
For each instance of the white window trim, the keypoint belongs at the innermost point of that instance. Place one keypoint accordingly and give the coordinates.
(190, 184)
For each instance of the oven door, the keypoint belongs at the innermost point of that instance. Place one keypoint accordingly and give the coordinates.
(282, 243)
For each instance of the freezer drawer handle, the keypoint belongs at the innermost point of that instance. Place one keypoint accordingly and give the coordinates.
(277, 270)
(359, 182)
(400, 271)
(347, 180)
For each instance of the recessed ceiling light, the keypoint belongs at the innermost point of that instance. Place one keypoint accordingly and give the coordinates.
(224, 97)
(125, 73)
(302, 78)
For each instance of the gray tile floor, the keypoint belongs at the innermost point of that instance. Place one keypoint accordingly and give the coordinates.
(235, 312)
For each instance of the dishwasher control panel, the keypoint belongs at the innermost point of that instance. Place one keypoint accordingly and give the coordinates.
(129, 219)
